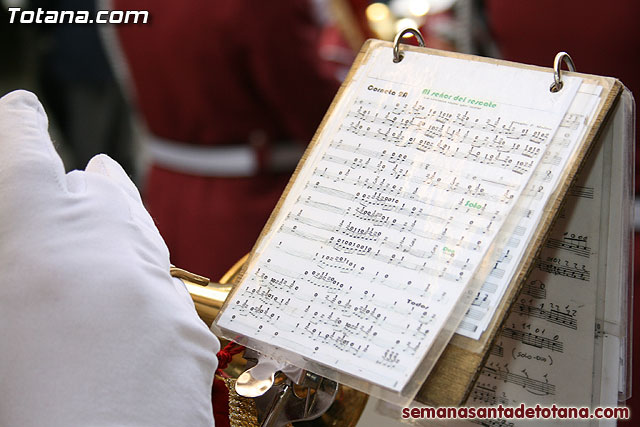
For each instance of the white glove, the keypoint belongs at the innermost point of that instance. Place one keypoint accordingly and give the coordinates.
(93, 330)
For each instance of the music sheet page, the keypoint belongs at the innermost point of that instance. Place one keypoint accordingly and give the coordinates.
(512, 245)
(546, 345)
(397, 205)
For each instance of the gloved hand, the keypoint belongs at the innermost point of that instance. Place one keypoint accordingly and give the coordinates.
(93, 330)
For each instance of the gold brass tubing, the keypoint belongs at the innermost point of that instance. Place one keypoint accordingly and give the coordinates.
(208, 297)
(233, 271)
(187, 276)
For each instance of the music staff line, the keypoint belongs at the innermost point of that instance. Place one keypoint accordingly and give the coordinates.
(337, 339)
(575, 272)
(418, 221)
(570, 243)
(552, 316)
(400, 159)
(391, 204)
(488, 396)
(323, 281)
(350, 331)
(453, 132)
(532, 385)
(535, 289)
(533, 340)
(350, 247)
(420, 119)
(430, 181)
(480, 155)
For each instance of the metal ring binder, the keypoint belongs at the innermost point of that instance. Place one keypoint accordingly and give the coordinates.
(397, 55)
(557, 84)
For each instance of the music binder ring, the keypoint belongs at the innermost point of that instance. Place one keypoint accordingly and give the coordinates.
(557, 84)
(397, 55)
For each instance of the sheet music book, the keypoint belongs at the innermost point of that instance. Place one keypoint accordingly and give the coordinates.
(541, 358)
(426, 179)
(583, 361)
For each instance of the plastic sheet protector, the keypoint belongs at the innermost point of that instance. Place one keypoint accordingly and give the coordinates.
(364, 270)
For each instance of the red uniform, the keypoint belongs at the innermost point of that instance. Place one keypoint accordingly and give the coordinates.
(225, 73)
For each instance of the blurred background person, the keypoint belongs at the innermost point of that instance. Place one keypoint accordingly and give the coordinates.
(67, 65)
(80, 88)
(231, 92)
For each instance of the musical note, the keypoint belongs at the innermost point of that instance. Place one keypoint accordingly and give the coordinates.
(487, 395)
(539, 187)
(536, 289)
(534, 340)
(534, 386)
(554, 266)
(571, 243)
(553, 316)
(497, 350)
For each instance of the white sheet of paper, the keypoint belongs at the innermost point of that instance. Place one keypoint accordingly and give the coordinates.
(395, 208)
(543, 183)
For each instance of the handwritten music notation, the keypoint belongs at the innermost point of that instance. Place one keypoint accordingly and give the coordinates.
(536, 289)
(571, 243)
(534, 386)
(488, 395)
(533, 340)
(567, 320)
(497, 350)
(388, 219)
(565, 268)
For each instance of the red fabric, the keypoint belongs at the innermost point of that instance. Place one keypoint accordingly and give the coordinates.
(220, 401)
(210, 223)
(216, 73)
(224, 72)
(226, 354)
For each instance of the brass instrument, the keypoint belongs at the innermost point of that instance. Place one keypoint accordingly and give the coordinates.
(209, 297)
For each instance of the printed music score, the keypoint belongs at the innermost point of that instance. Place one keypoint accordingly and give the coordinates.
(533, 386)
(489, 396)
(497, 349)
(547, 339)
(562, 267)
(534, 340)
(536, 289)
(512, 245)
(571, 243)
(394, 210)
